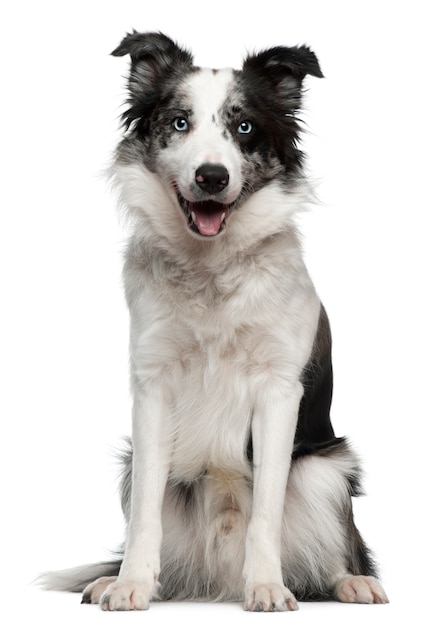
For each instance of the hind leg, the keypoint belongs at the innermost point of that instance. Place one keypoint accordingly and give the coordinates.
(93, 592)
(323, 553)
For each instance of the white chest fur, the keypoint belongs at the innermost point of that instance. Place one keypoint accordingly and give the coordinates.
(213, 338)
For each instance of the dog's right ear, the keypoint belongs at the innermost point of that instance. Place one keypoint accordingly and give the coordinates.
(156, 49)
(154, 57)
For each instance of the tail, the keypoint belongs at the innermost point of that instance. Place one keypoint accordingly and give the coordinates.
(77, 578)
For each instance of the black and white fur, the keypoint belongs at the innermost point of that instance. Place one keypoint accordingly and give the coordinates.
(235, 487)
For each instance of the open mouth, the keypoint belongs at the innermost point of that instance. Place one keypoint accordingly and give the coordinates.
(207, 218)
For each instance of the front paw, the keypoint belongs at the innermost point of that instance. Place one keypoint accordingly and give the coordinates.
(126, 596)
(269, 597)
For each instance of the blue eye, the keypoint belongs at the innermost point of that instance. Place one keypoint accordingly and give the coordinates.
(180, 124)
(245, 127)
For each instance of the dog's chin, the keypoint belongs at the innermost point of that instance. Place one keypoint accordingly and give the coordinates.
(207, 218)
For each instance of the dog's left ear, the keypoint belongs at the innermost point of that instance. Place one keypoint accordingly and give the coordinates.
(284, 68)
(279, 61)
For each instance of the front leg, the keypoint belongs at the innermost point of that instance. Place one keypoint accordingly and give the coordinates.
(273, 431)
(138, 578)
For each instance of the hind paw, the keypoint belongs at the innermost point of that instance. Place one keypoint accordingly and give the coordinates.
(361, 589)
(93, 592)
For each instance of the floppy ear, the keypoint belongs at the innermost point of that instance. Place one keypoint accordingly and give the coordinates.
(154, 57)
(279, 61)
(155, 49)
(284, 69)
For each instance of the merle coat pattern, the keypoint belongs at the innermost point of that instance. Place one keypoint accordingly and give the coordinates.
(234, 486)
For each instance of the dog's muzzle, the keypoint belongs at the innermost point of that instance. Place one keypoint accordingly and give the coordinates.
(208, 217)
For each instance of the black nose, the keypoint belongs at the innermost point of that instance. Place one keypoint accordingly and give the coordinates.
(211, 177)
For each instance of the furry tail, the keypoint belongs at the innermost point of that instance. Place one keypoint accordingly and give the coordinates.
(77, 578)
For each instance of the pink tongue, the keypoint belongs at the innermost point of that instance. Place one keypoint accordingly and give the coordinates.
(208, 222)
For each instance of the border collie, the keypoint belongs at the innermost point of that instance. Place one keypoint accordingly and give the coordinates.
(234, 485)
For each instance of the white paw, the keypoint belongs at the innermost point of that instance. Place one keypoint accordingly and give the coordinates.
(269, 597)
(93, 592)
(361, 589)
(126, 596)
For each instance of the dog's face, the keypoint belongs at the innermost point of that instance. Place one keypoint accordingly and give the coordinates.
(213, 137)
(197, 149)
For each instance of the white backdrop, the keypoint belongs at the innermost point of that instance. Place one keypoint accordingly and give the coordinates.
(369, 245)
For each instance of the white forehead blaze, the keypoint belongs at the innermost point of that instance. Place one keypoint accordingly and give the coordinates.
(204, 93)
(208, 90)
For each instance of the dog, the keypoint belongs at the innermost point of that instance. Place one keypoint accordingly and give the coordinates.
(234, 486)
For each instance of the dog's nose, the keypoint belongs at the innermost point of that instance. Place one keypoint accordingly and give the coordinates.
(212, 177)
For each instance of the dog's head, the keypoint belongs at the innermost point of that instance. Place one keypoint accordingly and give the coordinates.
(212, 137)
